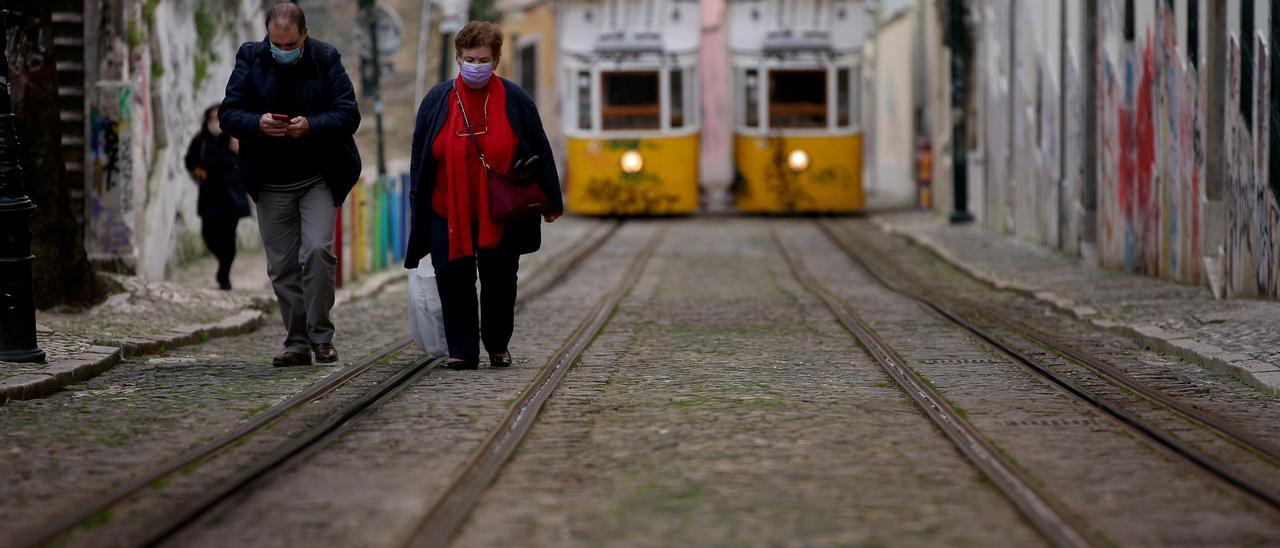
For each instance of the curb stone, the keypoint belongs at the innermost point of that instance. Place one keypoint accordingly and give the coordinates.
(1256, 373)
(106, 353)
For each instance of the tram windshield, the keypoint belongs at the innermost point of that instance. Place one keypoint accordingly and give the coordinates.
(797, 98)
(630, 100)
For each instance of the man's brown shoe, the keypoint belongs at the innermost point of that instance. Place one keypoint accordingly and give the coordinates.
(325, 352)
(290, 359)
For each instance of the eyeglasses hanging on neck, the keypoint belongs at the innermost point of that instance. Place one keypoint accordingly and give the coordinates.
(480, 129)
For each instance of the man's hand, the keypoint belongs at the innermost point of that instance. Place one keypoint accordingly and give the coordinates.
(272, 127)
(234, 146)
(551, 217)
(299, 127)
(201, 175)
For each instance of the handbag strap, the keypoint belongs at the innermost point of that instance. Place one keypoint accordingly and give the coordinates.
(466, 122)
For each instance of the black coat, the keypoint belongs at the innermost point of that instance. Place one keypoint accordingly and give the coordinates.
(221, 194)
(322, 93)
(522, 113)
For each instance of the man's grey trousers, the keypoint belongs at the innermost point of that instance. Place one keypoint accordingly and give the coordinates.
(297, 232)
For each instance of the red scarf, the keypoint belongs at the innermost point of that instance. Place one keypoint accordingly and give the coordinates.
(461, 193)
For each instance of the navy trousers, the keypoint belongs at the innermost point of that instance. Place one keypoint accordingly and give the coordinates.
(465, 324)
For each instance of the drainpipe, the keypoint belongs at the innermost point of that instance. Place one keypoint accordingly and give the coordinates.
(959, 45)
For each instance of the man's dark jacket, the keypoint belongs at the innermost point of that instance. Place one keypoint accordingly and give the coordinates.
(531, 139)
(321, 92)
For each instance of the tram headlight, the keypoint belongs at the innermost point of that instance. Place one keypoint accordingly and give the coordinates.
(798, 160)
(631, 162)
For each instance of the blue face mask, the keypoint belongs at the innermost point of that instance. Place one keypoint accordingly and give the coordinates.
(286, 57)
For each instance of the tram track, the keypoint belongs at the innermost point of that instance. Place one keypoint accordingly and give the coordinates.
(1054, 522)
(543, 279)
(450, 508)
(975, 314)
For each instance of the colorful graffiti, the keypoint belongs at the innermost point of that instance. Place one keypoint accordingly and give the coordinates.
(112, 171)
(1150, 125)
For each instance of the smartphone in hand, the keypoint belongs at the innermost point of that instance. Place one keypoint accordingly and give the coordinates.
(281, 117)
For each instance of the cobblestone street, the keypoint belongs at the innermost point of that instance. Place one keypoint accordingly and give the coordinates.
(720, 401)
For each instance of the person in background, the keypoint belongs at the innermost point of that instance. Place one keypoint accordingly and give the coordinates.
(291, 104)
(211, 160)
(450, 199)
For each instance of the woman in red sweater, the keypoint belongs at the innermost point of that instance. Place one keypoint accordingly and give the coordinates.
(456, 228)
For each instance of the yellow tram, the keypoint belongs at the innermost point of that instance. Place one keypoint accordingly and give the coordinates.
(630, 106)
(797, 134)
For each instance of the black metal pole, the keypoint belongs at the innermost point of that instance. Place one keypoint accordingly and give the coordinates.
(959, 154)
(374, 79)
(17, 304)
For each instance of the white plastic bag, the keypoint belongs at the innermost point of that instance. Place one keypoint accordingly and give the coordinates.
(426, 317)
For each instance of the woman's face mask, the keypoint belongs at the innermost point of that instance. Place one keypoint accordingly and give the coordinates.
(476, 65)
(476, 74)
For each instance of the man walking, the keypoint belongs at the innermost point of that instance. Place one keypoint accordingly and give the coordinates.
(292, 106)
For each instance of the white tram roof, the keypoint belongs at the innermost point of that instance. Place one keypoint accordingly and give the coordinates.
(594, 28)
(760, 27)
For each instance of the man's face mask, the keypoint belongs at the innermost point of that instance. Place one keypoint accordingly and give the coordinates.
(286, 57)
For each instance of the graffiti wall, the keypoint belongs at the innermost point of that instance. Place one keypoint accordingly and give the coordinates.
(1150, 159)
(1252, 247)
(116, 174)
(148, 93)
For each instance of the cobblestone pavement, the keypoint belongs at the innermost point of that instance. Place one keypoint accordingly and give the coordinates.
(1224, 396)
(1241, 333)
(1140, 496)
(370, 486)
(724, 406)
(721, 405)
(140, 308)
(60, 451)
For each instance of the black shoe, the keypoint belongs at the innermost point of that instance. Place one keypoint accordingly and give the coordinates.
(458, 364)
(325, 352)
(290, 359)
(224, 282)
(500, 360)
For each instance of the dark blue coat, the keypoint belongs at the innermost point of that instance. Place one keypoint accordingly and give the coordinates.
(522, 113)
(221, 194)
(322, 93)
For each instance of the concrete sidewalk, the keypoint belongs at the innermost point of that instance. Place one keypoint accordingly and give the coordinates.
(1238, 337)
(143, 317)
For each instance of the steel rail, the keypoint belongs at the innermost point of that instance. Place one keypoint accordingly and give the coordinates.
(66, 522)
(1139, 425)
(1050, 519)
(452, 506)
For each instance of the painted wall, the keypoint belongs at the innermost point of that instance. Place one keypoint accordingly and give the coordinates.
(148, 92)
(716, 159)
(1252, 247)
(892, 181)
(1029, 134)
(1151, 159)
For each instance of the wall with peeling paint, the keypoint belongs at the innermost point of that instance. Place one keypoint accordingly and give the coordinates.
(147, 93)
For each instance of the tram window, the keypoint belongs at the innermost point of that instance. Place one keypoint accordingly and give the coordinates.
(677, 98)
(751, 98)
(797, 98)
(584, 100)
(842, 97)
(630, 100)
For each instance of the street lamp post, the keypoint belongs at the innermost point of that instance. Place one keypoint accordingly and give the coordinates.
(959, 43)
(17, 305)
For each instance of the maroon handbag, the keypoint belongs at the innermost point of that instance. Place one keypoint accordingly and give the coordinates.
(515, 195)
